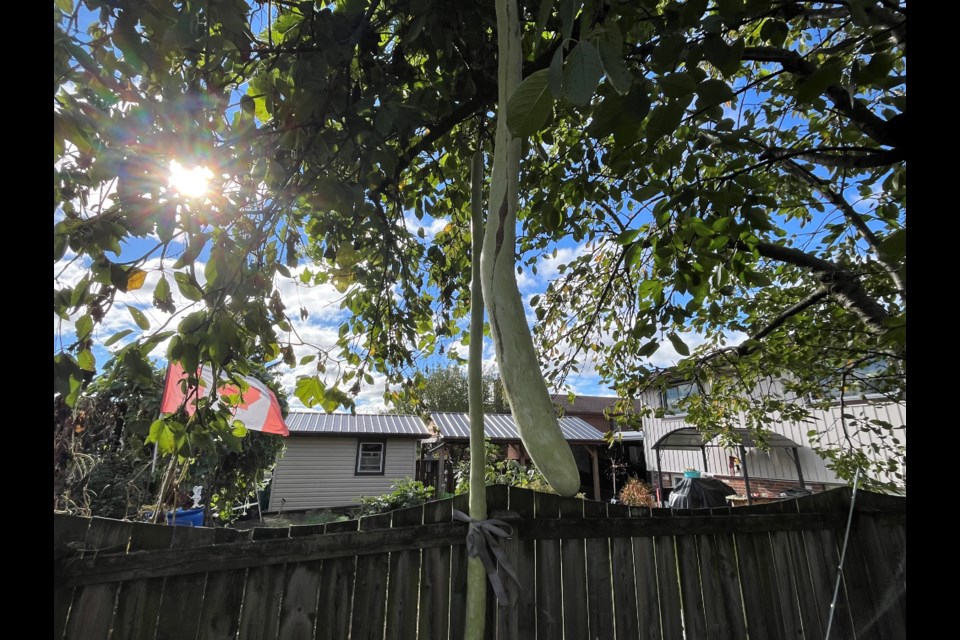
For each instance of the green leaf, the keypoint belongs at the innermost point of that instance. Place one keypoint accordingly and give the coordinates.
(530, 105)
(239, 429)
(120, 335)
(546, 8)
(248, 104)
(664, 120)
(611, 55)
(774, 31)
(555, 78)
(582, 73)
(162, 290)
(893, 248)
(86, 361)
(648, 349)
(139, 318)
(713, 92)
(829, 73)
(666, 53)
(310, 390)
(568, 16)
(163, 434)
(84, 327)
(187, 289)
(876, 70)
(678, 85)
(678, 344)
(60, 244)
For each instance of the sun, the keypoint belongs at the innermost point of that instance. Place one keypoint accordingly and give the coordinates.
(190, 183)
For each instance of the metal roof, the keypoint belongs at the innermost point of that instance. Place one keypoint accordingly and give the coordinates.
(338, 424)
(501, 427)
(690, 439)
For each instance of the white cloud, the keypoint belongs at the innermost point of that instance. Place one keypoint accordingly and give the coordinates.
(548, 268)
(431, 226)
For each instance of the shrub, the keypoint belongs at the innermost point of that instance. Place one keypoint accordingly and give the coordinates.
(636, 494)
(406, 493)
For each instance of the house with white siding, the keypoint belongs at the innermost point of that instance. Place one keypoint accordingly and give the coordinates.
(774, 469)
(333, 459)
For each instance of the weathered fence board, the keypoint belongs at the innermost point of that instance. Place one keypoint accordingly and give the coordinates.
(435, 587)
(222, 598)
(298, 609)
(883, 618)
(458, 576)
(645, 575)
(587, 570)
(92, 609)
(404, 582)
(691, 596)
(336, 601)
(139, 600)
(183, 595)
(522, 618)
(549, 598)
(370, 588)
(259, 618)
(624, 588)
(671, 616)
(573, 560)
(67, 530)
(599, 584)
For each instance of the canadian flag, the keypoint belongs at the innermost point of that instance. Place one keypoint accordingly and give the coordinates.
(258, 409)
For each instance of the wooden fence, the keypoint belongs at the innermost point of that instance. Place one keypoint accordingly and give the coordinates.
(588, 570)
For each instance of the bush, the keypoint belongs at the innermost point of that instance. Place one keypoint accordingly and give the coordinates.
(497, 471)
(636, 494)
(406, 493)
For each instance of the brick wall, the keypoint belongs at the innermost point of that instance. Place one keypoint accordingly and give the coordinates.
(762, 486)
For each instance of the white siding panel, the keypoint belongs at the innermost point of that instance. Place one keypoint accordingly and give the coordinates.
(775, 464)
(317, 472)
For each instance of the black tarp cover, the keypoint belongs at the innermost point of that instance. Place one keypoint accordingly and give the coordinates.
(697, 493)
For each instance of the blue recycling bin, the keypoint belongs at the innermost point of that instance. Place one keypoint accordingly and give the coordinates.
(186, 517)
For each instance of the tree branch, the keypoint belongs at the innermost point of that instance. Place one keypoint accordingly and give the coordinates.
(862, 158)
(841, 284)
(776, 323)
(872, 125)
(836, 199)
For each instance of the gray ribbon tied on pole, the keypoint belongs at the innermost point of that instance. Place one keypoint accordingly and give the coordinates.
(482, 540)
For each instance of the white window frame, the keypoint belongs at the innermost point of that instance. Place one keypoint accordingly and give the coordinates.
(360, 452)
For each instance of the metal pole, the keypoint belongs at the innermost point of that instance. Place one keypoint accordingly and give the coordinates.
(746, 474)
(703, 452)
(659, 477)
(796, 460)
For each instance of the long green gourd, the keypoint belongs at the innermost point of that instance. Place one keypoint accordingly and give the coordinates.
(519, 369)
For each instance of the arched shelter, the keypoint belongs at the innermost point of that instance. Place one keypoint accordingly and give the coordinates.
(691, 439)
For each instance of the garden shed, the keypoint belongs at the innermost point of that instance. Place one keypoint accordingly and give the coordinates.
(332, 459)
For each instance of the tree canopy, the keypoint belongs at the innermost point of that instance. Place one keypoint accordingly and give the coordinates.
(446, 389)
(731, 172)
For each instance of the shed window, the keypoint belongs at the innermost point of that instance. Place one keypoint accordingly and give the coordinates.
(370, 458)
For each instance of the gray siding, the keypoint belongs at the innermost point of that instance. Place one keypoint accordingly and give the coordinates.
(774, 464)
(317, 472)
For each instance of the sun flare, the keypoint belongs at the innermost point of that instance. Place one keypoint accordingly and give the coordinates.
(191, 183)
